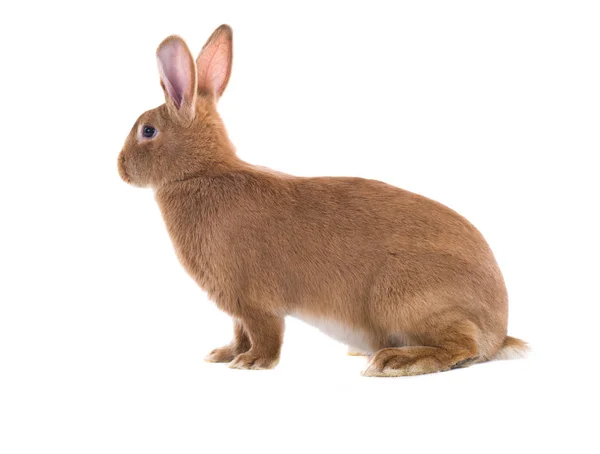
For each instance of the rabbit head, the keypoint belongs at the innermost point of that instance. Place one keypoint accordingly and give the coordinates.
(185, 136)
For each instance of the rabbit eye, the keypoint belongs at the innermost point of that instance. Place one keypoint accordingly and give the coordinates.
(148, 132)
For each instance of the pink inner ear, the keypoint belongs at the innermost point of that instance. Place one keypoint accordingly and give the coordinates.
(175, 70)
(214, 65)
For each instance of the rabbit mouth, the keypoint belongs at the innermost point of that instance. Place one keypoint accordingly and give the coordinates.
(122, 171)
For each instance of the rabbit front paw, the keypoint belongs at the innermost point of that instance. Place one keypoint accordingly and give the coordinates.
(222, 355)
(254, 361)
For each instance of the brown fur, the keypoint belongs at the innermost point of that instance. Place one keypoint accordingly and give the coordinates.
(414, 281)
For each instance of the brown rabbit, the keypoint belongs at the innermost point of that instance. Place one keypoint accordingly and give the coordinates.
(396, 276)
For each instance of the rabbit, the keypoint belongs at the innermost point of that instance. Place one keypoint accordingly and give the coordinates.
(396, 276)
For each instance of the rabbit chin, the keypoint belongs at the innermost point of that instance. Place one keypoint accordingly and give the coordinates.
(356, 339)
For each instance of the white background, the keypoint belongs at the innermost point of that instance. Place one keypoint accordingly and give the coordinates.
(492, 108)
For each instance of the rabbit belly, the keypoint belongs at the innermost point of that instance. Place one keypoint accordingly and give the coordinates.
(350, 336)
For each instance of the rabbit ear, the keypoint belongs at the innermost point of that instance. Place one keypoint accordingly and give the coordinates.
(177, 75)
(214, 62)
